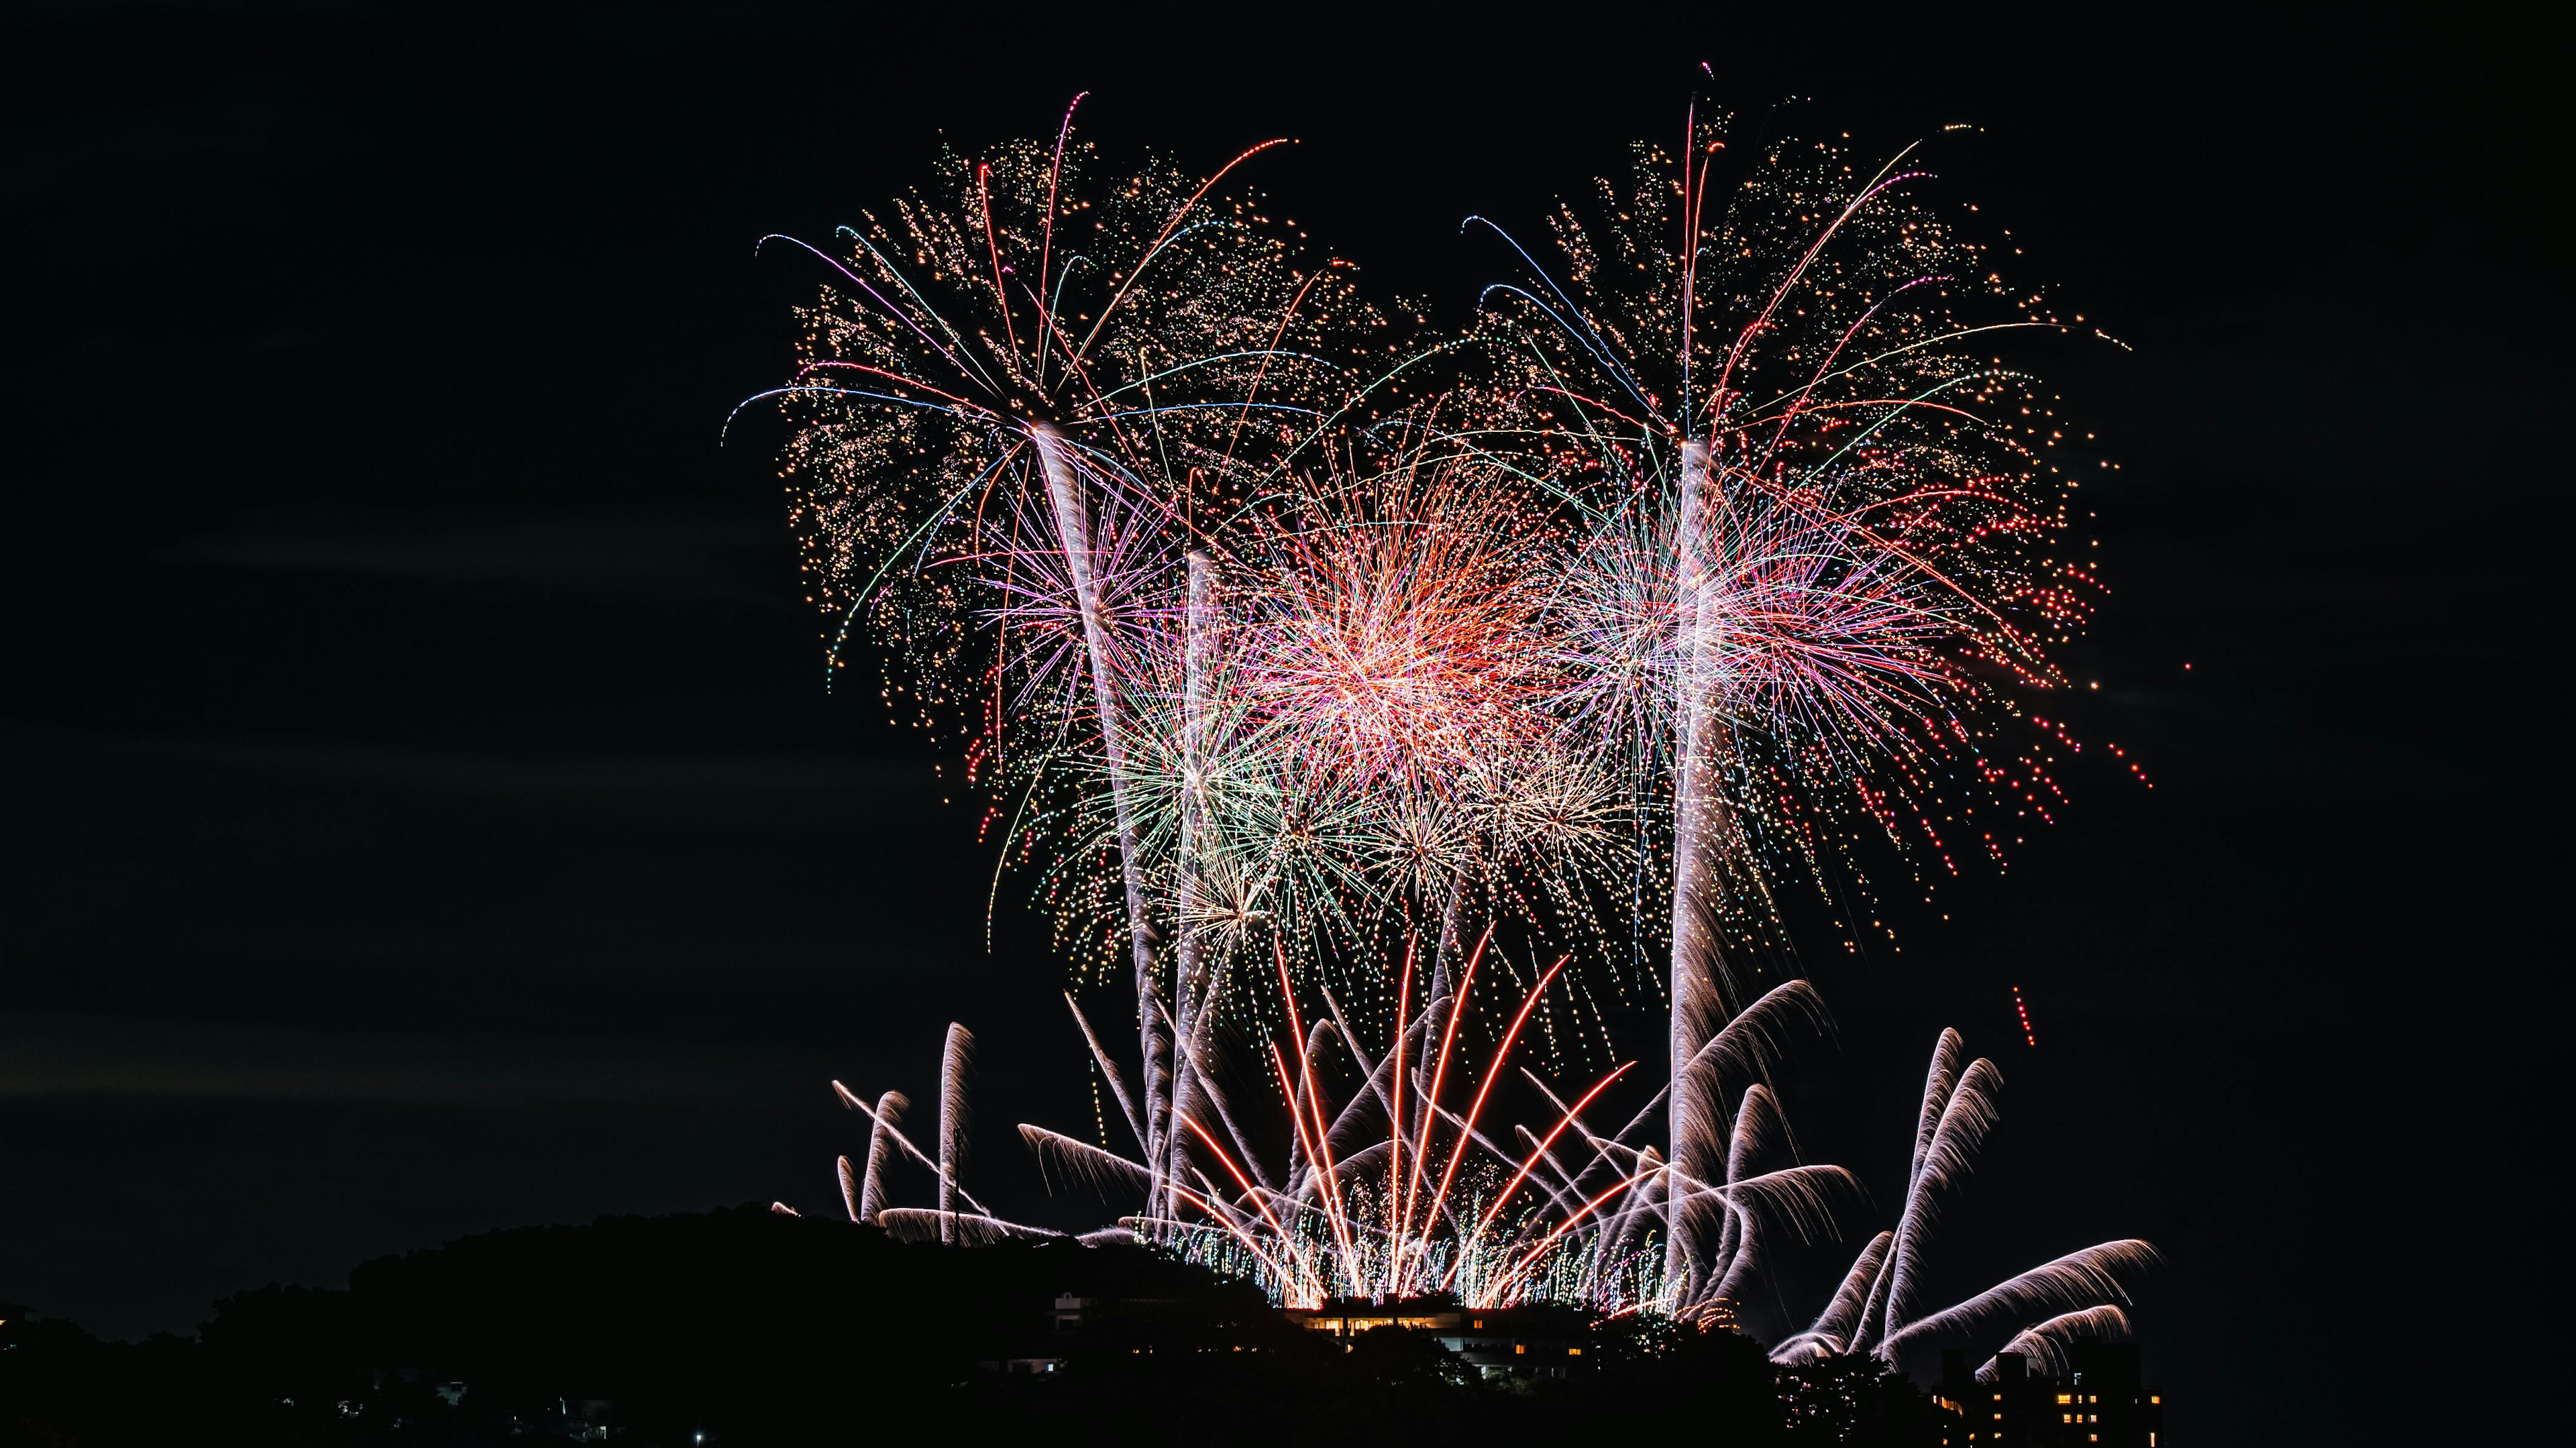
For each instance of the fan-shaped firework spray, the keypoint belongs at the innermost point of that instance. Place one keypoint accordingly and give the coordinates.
(1873, 1311)
(1406, 1187)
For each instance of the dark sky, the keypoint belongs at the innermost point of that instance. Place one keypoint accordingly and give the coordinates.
(423, 813)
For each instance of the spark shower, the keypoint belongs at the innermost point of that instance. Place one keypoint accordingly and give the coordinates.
(1366, 704)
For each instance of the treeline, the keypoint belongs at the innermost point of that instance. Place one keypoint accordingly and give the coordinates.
(740, 1327)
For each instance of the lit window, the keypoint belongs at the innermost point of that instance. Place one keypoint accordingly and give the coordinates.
(1574, 1352)
(2156, 1398)
(2066, 1397)
(1520, 1347)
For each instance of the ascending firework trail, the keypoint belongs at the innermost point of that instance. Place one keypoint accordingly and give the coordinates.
(1813, 537)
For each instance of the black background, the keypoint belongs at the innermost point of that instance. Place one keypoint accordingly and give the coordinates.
(423, 812)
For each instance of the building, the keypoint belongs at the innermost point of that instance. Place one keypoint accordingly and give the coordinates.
(2102, 1402)
(1529, 1341)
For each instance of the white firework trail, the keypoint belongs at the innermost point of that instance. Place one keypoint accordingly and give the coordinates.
(866, 1200)
(1870, 1312)
(1073, 528)
(2045, 1343)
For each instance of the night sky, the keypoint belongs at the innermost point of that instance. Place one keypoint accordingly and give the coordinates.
(423, 813)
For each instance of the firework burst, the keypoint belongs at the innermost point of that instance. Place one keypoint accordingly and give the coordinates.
(1817, 516)
(1014, 396)
(1717, 550)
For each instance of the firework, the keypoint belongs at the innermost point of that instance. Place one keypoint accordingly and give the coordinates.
(863, 1192)
(2045, 1343)
(1818, 527)
(1874, 1309)
(1702, 563)
(1406, 1186)
(1329, 724)
(1015, 397)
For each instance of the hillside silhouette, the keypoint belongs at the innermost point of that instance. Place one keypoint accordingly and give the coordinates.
(743, 1327)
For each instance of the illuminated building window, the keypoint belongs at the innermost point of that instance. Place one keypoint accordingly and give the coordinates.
(2066, 1397)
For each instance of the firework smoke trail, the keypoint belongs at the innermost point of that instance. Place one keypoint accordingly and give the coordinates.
(1073, 527)
(1192, 1009)
(1694, 987)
